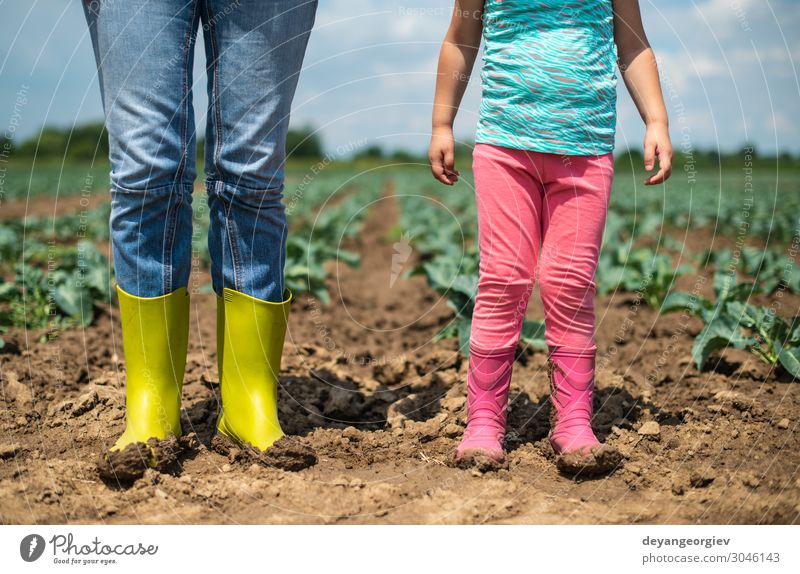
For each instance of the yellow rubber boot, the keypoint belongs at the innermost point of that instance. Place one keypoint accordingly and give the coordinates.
(155, 334)
(250, 335)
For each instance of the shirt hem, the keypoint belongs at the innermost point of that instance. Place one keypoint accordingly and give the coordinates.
(533, 145)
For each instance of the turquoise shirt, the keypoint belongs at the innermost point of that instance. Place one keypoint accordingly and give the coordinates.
(549, 76)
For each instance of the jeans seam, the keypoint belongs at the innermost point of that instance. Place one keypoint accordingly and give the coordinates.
(185, 103)
(233, 233)
(213, 181)
(282, 258)
(217, 123)
(217, 188)
(171, 231)
(183, 188)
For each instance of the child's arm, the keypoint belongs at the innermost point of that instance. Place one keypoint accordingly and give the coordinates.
(637, 63)
(456, 58)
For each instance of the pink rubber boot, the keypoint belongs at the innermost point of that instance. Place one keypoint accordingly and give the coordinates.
(571, 389)
(487, 404)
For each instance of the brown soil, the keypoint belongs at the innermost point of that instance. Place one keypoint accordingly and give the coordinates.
(382, 407)
(50, 206)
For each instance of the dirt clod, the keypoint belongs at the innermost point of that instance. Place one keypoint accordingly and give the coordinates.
(602, 459)
(10, 450)
(650, 430)
(478, 462)
(18, 392)
(700, 479)
(85, 403)
(130, 463)
(287, 453)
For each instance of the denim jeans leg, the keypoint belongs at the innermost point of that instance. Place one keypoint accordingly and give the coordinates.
(255, 52)
(144, 50)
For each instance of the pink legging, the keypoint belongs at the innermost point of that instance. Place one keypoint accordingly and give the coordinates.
(538, 208)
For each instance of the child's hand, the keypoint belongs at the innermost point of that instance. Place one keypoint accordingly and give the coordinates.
(441, 155)
(657, 143)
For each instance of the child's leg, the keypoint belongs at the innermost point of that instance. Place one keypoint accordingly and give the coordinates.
(508, 193)
(574, 214)
(577, 191)
(509, 199)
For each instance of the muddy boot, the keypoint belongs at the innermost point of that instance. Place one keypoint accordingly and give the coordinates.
(488, 381)
(155, 332)
(571, 393)
(250, 335)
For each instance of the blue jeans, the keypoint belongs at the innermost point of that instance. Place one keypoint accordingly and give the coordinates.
(144, 52)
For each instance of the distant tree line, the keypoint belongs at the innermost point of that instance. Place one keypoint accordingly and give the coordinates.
(80, 143)
(89, 142)
(712, 158)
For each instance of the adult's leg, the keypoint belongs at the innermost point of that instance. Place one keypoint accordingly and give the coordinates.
(255, 52)
(508, 196)
(144, 50)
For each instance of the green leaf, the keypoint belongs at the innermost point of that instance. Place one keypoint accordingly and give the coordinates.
(704, 346)
(747, 315)
(8, 291)
(609, 279)
(532, 334)
(793, 281)
(794, 337)
(322, 294)
(92, 268)
(721, 332)
(75, 302)
(742, 292)
(679, 300)
(774, 327)
(789, 359)
(464, 328)
(723, 282)
(437, 276)
(447, 332)
(352, 259)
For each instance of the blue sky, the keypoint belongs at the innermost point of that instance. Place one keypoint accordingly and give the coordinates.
(728, 70)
